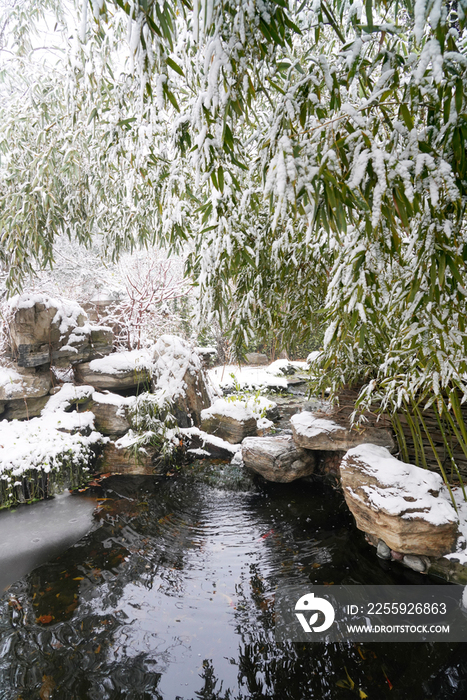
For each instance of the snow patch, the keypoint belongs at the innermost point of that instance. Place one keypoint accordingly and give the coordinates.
(308, 425)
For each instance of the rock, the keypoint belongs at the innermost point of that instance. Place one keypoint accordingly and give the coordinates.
(24, 409)
(205, 446)
(21, 383)
(179, 378)
(256, 358)
(208, 356)
(109, 414)
(314, 432)
(102, 339)
(233, 419)
(40, 326)
(414, 563)
(330, 462)
(84, 345)
(23, 392)
(277, 458)
(45, 330)
(2, 407)
(124, 461)
(396, 556)
(119, 371)
(383, 551)
(229, 428)
(406, 506)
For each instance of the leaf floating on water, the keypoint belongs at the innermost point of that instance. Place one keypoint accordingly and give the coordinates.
(78, 578)
(44, 619)
(362, 695)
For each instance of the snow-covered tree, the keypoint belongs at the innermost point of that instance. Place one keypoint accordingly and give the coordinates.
(314, 153)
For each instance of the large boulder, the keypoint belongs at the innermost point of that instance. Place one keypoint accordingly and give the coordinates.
(277, 458)
(256, 358)
(83, 345)
(203, 445)
(179, 379)
(20, 383)
(316, 432)
(405, 506)
(44, 330)
(117, 372)
(23, 392)
(119, 457)
(109, 413)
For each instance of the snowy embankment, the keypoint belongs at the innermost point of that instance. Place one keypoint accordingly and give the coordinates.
(273, 377)
(56, 446)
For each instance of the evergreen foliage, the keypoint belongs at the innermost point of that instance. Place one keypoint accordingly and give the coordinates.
(312, 154)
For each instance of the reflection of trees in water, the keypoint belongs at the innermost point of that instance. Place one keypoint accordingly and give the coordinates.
(69, 627)
(84, 650)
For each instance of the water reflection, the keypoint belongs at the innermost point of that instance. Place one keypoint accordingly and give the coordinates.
(172, 597)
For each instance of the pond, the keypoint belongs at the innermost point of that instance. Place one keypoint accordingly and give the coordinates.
(170, 596)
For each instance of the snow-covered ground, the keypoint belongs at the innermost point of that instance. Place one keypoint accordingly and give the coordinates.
(227, 377)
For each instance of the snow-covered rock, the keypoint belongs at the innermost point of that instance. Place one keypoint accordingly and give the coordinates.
(23, 392)
(235, 419)
(109, 413)
(20, 383)
(205, 446)
(315, 432)
(44, 329)
(121, 370)
(277, 458)
(407, 507)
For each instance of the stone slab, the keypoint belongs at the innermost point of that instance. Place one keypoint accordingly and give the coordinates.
(277, 458)
(314, 431)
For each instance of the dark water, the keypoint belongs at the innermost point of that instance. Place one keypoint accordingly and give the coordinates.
(171, 597)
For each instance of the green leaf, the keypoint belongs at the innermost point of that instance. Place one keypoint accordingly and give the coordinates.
(406, 116)
(174, 66)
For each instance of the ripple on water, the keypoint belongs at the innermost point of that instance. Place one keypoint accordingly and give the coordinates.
(172, 597)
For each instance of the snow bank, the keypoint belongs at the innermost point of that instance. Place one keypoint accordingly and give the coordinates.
(276, 368)
(66, 397)
(42, 443)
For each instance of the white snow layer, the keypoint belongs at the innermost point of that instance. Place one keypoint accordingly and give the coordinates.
(119, 362)
(238, 409)
(10, 380)
(401, 489)
(308, 425)
(246, 377)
